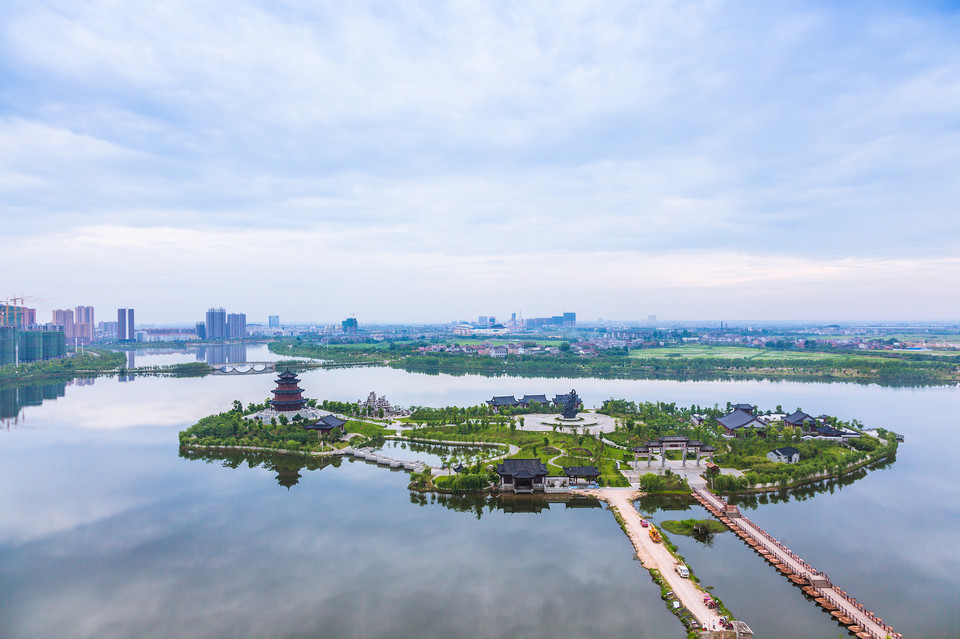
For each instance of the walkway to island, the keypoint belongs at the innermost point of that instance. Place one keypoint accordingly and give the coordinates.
(844, 607)
(655, 555)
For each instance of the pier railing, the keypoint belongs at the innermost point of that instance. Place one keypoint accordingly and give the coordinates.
(830, 593)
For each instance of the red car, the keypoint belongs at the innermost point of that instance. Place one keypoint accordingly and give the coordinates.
(644, 523)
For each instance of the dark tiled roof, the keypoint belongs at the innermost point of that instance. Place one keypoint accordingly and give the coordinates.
(737, 419)
(522, 468)
(328, 422)
(641, 449)
(746, 407)
(287, 375)
(503, 400)
(787, 451)
(529, 399)
(798, 418)
(581, 471)
(829, 431)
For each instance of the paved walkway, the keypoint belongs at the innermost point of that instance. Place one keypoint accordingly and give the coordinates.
(545, 422)
(655, 555)
(845, 608)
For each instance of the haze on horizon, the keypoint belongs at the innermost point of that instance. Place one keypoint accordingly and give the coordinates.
(408, 162)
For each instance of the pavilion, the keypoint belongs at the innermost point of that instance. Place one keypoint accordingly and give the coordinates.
(521, 475)
(327, 424)
(589, 474)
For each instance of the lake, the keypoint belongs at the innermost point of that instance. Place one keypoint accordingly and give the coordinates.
(107, 531)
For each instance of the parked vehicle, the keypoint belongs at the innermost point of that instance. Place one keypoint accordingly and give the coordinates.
(644, 523)
(682, 570)
(654, 535)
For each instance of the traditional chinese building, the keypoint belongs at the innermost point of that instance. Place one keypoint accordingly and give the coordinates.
(327, 424)
(288, 396)
(522, 475)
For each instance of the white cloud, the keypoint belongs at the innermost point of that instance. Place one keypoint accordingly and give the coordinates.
(482, 131)
(334, 275)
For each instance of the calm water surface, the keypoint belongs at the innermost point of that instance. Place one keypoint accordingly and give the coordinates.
(106, 531)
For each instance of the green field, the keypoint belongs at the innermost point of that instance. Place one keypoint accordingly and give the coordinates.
(742, 352)
(476, 341)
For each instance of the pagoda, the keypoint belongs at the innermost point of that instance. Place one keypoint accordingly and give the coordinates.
(287, 396)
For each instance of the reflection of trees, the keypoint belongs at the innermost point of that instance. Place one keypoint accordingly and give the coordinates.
(653, 503)
(807, 491)
(443, 451)
(287, 467)
(478, 504)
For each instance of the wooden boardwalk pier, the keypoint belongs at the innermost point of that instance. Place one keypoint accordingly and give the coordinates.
(841, 605)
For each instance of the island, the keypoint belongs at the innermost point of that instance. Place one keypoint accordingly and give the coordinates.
(536, 445)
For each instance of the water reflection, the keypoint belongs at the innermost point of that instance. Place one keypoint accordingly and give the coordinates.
(222, 354)
(807, 491)
(96, 487)
(287, 467)
(436, 454)
(14, 399)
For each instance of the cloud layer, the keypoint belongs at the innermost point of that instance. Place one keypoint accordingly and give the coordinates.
(449, 156)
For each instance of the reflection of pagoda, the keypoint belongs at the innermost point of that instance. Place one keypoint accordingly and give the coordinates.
(287, 396)
(288, 477)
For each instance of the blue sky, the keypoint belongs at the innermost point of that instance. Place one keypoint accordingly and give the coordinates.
(431, 162)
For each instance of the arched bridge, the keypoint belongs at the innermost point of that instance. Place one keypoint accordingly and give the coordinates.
(244, 368)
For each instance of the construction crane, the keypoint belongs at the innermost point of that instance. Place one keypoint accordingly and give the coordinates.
(11, 309)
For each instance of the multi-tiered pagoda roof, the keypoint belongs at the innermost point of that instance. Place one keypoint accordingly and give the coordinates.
(288, 396)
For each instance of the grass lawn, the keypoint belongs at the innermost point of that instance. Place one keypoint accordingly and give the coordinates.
(685, 526)
(740, 352)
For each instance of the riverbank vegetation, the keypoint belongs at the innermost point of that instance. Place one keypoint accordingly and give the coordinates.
(91, 362)
(681, 362)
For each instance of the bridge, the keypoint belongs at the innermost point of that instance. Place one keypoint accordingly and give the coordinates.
(841, 605)
(244, 368)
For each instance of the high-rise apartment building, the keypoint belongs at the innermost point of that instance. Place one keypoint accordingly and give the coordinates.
(350, 325)
(125, 325)
(236, 326)
(83, 324)
(274, 321)
(216, 323)
(202, 330)
(64, 317)
(107, 330)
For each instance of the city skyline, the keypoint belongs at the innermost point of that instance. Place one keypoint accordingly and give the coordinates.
(690, 160)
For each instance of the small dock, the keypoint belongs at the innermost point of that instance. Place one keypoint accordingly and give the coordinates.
(814, 583)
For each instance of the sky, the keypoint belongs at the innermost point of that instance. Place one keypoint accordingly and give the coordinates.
(430, 162)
